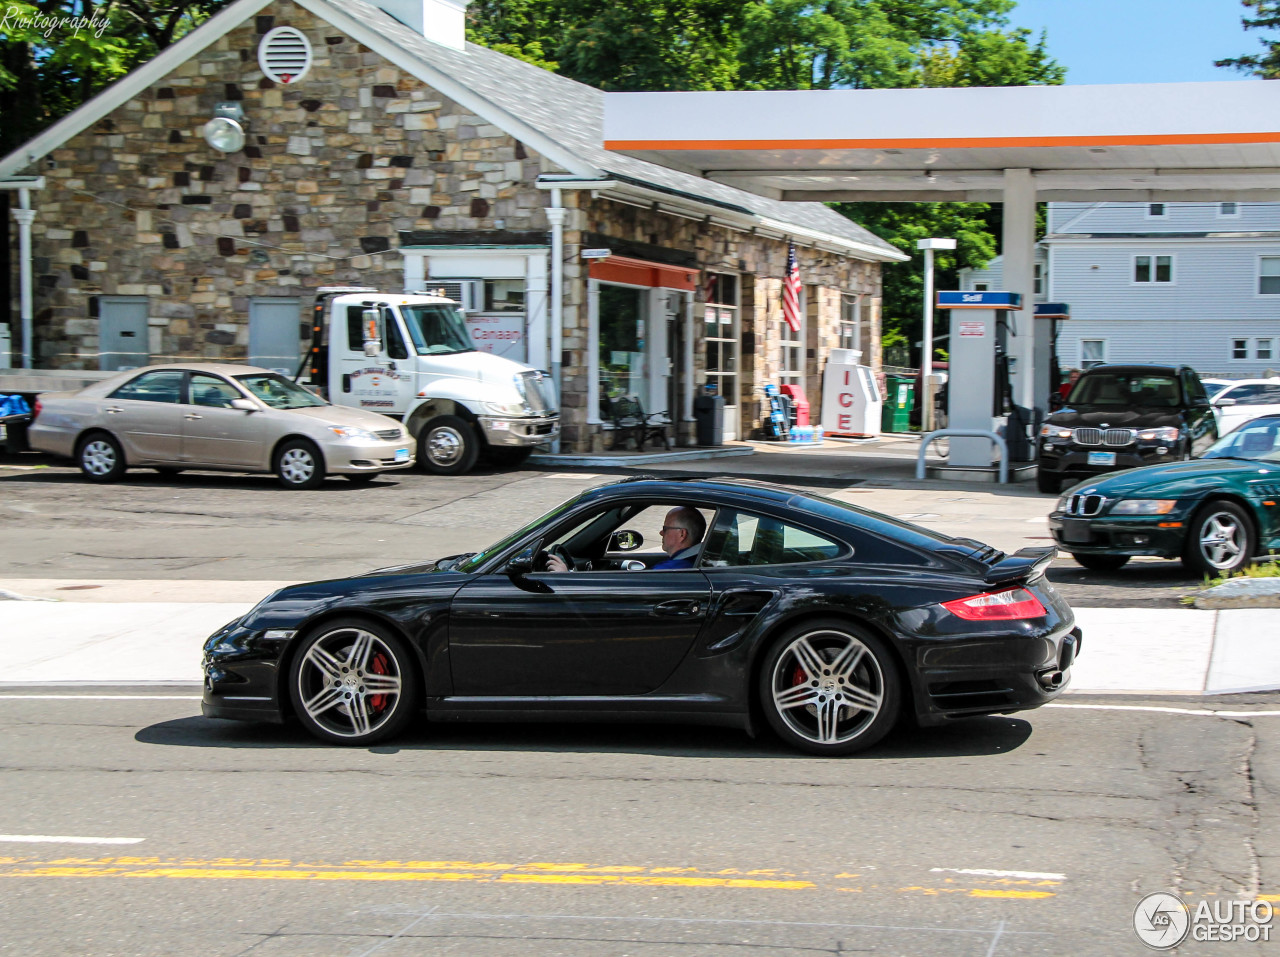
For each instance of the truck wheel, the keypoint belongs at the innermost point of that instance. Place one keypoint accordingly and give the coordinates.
(101, 458)
(448, 446)
(508, 458)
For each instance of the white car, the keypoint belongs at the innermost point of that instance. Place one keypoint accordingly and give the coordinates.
(1240, 400)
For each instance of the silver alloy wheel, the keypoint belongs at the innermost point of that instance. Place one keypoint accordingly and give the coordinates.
(445, 445)
(349, 682)
(297, 465)
(1222, 539)
(98, 457)
(827, 686)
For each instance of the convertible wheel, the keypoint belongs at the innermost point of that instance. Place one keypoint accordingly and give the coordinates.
(830, 688)
(1101, 563)
(101, 458)
(299, 465)
(448, 446)
(352, 682)
(1220, 539)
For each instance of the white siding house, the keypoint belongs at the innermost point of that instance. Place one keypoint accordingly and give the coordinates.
(1176, 283)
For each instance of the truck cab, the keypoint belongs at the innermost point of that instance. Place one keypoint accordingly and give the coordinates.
(411, 357)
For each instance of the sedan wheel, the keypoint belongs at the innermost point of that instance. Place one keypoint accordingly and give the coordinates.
(830, 688)
(299, 465)
(353, 683)
(101, 458)
(1220, 539)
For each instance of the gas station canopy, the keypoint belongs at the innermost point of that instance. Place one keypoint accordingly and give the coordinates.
(1184, 142)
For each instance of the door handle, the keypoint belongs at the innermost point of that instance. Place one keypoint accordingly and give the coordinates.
(193, 415)
(113, 409)
(679, 608)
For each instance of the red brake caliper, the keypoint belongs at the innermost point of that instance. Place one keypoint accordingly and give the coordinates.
(378, 666)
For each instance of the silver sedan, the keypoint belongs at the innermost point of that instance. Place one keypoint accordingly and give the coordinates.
(216, 416)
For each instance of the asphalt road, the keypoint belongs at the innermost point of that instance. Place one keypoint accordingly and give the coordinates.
(1032, 834)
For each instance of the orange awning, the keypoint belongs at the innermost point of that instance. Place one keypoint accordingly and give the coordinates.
(642, 272)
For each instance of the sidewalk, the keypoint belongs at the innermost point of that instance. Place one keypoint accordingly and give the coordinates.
(102, 632)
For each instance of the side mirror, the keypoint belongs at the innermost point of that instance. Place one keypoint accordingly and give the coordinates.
(625, 540)
(1225, 403)
(372, 320)
(244, 405)
(521, 564)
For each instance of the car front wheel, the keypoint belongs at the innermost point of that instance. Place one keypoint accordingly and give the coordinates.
(830, 688)
(1047, 483)
(101, 458)
(299, 465)
(1220, 540)
(353, 682)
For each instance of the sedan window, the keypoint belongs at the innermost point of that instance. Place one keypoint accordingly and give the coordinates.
(208, 390)
(162, 385)
(280, 393)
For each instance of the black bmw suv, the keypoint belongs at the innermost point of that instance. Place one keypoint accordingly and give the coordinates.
(1123, 416)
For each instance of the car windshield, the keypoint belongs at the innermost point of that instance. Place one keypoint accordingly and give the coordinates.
(278, 392)
(437, 329)
(1126, 389)
(473, 562)
(1258, 440)
(1215, 388)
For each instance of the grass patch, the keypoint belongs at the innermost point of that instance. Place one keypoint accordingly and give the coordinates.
(1268, 567)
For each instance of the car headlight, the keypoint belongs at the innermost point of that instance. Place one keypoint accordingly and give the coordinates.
(1144, 506)
(506, 408)
(1054, 432)
(351, 432)
(1167, 434)
(1061, 506)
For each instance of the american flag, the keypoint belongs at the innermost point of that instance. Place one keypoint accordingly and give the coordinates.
(791, 290)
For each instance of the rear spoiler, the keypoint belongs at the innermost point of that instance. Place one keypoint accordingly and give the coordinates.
(1024, 565)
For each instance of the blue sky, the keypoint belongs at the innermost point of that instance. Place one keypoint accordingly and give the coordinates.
(1140, 41)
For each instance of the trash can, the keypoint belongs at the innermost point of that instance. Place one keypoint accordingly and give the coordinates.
(708, 413)
(898, 403)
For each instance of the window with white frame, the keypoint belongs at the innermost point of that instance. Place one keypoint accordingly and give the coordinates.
(1155, 209)
(791, 348)
(1239, 348)
(1037, 279)
(981, 287)
(721, 335)
(1152, 269)
(850, 318)
(1093, 352)
(1262, 348)
(1228, 209)
(1269, 276)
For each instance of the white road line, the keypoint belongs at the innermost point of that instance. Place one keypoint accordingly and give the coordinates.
(55, 839)
(1201, 712)
(988, 872)
(100, 697)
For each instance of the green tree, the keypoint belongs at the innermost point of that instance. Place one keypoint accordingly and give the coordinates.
(1266, 16)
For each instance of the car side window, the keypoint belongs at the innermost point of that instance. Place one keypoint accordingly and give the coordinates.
(742, 538)
(212, 392)
(162, 385)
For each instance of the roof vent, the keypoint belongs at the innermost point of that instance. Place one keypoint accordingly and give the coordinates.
(441, 21)
(284, 55)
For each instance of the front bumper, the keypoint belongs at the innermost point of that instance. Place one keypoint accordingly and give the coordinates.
(1072, 460)
(519, 431)
(1132, 535)
(345, 458)
(241, 674)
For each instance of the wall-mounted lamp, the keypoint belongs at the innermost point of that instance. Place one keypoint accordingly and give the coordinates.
(225, 132)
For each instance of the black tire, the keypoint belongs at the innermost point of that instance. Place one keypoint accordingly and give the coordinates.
(1048, 484)
(100, 457)
(298, 464)
(801, 703)
(447, 445)
(168, 471)
(361, 478)
(508, 458)
(1220, 539)
(331, 676)
(1101, 563)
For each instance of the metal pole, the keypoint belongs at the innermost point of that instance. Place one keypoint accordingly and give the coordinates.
(926, 358)
(25, 216)
(556, 215)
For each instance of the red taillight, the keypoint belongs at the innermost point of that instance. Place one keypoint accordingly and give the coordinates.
(997, 606)
(36, 413)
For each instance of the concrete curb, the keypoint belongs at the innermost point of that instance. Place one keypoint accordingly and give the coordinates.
(639, 458)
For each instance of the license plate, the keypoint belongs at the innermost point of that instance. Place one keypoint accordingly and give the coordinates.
(1102, 458)
(1075, 530)
(402, 455)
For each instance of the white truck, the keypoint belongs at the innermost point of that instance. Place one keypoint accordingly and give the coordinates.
(411, 357)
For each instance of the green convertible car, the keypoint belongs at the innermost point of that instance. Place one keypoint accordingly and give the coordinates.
(1216, 513)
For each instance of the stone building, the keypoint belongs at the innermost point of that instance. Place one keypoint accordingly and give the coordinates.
(393, 154)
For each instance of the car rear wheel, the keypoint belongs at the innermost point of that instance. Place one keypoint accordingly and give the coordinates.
(829, 687)
(353, 682)
(448, 446)
(1049, 484)
(1101, 563)
(299, 465)
(101, 458)
(1220, 540)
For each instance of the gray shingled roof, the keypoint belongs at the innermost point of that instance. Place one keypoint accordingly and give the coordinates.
(572, 114)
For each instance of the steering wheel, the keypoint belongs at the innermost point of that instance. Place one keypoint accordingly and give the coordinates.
(562, 553)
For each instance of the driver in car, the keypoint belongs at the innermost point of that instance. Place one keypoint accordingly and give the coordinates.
(682, 533)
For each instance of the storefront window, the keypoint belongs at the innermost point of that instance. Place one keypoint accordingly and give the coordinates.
(721, 336)
(791, 349)
(850, 317)
(622, 342)
(504, 295)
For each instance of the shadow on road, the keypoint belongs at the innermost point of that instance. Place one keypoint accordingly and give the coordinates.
(968, 738)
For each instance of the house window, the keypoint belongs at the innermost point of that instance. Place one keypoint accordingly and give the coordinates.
(1037, 281)
(721, 336)
(981, 287)
(791, 349)
(1093, 352)
(850, 318)
(1153, 269)
(1239, 348)
(1155, 209)
(1228, 209)
(1269, 276)
(1262, 348)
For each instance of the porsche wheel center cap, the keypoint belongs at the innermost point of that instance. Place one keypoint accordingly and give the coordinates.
(828, 686)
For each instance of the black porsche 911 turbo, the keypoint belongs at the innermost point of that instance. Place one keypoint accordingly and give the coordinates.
(827, 621)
